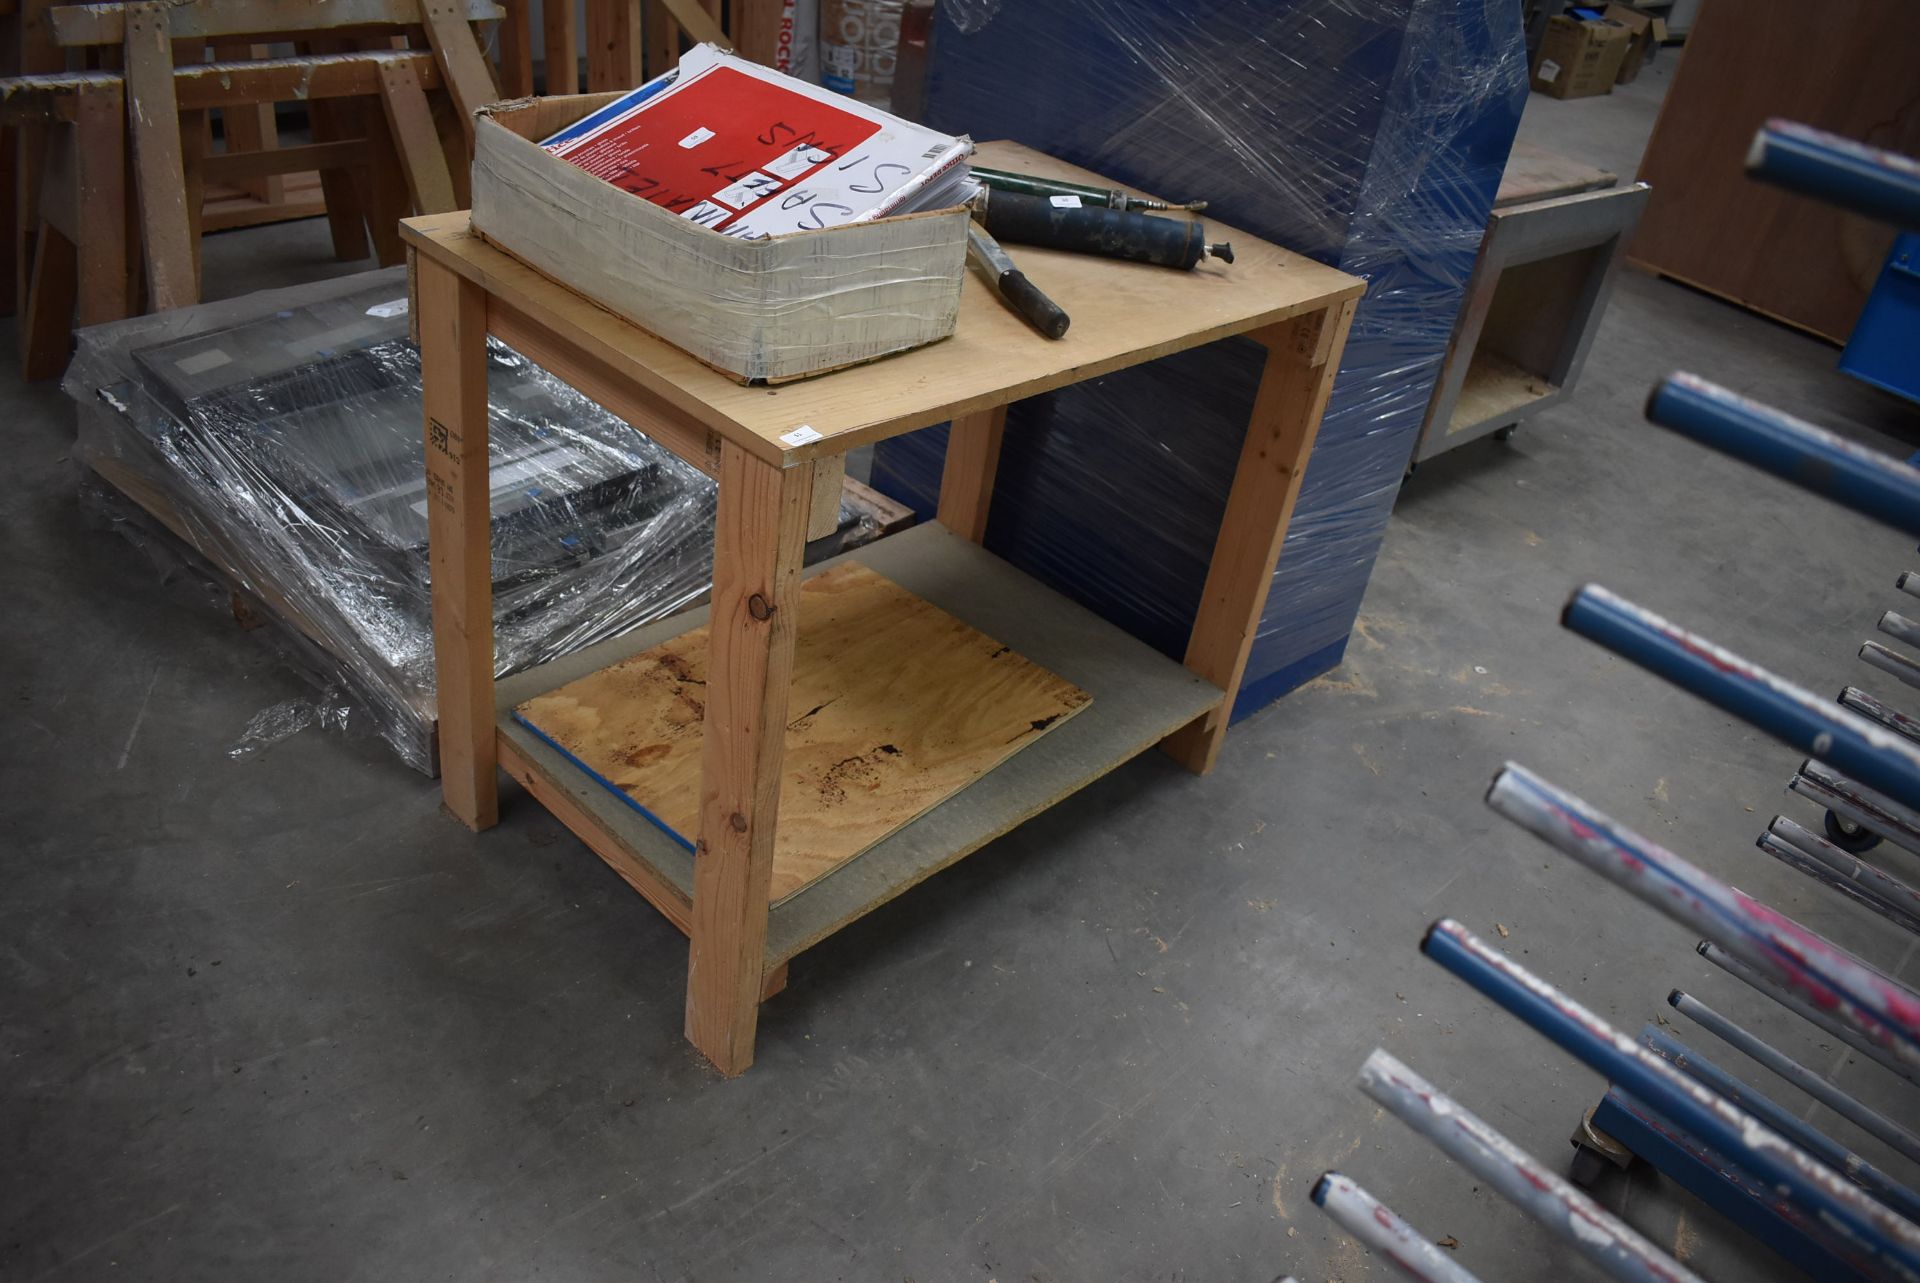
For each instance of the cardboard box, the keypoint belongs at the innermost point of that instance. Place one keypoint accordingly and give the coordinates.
(1649, 32)
(1579, 59)
(773, 309)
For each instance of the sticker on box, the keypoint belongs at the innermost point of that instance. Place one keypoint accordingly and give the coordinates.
(697, 137)
(1549, 71)
(801, 435)
(749, 189)
(798, 161)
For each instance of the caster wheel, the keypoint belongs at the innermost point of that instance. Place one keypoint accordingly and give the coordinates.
(1848, 836)
(1586, 1167)
(1506, 433)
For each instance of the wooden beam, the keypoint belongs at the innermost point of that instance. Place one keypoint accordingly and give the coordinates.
(453, 144)
(252, 128)
(613, 45)
(1302, 359)
(46, 323)
(453, 363)
(383, 183)
(345, 187)
(102, 211)
(759, 533)
(516, 50)
(195, 137)
(225, 212)
(238, 167)
(44, 98)
(756, 29)
(563, 47)
(829, 478)
(417, 142)
(662, 43)
(464, 68)
(642, 877)
(701, 26)
(153, 115)
(105, 24)
(966, 480)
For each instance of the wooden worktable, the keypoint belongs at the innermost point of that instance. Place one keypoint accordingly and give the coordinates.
(762, 443)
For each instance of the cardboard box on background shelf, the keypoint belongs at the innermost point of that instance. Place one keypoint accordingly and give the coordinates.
(1579, 59)
(1649, 32)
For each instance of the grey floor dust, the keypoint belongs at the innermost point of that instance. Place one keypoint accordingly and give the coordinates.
(279, 1018)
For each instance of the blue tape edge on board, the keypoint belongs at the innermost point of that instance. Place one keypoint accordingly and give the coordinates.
(604, 782)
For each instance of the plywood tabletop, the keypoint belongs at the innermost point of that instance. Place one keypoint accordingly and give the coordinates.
(1123, 314)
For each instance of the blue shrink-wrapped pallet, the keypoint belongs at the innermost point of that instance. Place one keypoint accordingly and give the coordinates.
(1368, 134)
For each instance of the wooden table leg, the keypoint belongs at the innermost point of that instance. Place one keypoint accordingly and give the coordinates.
(453, 365)
(966, 480)
(759, 532)
(1303, 356)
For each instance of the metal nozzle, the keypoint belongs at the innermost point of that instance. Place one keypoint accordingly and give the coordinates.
(1143, 202)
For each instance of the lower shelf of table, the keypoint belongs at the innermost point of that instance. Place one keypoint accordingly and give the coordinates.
(1139, 697)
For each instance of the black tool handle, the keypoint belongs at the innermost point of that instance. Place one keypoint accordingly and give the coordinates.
(1086, 229)
(1024, 297)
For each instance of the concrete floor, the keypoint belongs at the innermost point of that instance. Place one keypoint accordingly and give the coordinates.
(279, 1018)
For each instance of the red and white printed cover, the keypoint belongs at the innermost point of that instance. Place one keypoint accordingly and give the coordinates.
(749, 152)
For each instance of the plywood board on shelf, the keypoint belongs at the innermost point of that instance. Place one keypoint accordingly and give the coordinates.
(896, 706)
(1495, 388)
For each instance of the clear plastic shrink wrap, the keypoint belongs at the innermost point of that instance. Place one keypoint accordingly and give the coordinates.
(1368, 134)
(279, 435)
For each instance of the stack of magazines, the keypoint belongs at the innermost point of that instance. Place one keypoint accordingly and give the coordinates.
(751, 153)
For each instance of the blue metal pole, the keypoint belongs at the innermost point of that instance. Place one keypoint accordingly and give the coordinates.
(1873, 484)
(1722, 1184)
(1867, 180)
(1868, 1120)
(1875, 888)
(1871, 754)
(1375, 1224)
(1807, 965)
(1883, 1241)
(1882, 1187)
(1516, 1175)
